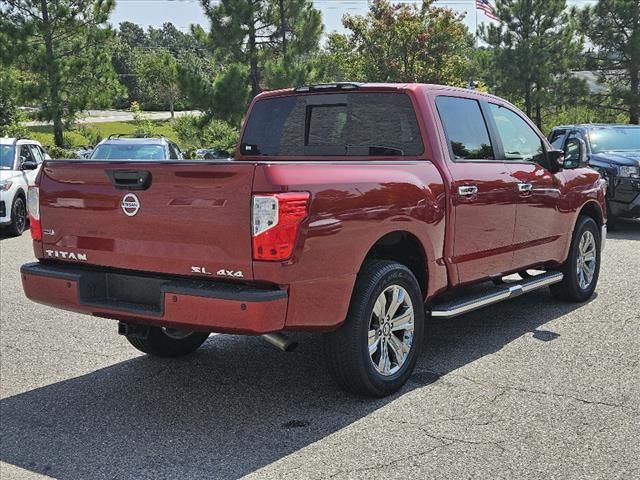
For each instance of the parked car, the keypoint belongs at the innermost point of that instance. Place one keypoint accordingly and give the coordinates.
(613, 150)
(20, 160)
(356, 210)
(132, 147)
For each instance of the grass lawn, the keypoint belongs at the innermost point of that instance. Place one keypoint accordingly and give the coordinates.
(44, 134)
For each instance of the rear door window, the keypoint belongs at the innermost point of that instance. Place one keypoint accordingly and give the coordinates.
(353, 124)
(465, 128)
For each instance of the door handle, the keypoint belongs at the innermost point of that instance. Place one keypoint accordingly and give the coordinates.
(467, 190)
(525, 187)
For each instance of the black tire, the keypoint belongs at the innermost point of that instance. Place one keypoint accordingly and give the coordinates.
(570, 289)
(347, 349)
(18, 217)
(159, 344)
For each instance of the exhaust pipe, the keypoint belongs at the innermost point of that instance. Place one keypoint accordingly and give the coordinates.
(280, 341)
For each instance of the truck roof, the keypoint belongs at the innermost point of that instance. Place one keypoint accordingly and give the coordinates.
(352, 86)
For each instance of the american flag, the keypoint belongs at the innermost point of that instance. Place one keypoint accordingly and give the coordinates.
(487, 8)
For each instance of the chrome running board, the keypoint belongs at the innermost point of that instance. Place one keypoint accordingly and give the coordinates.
(500, 293)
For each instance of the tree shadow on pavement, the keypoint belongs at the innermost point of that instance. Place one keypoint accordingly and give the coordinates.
(229, 409)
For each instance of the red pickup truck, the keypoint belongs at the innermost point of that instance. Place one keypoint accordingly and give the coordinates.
(357, 210)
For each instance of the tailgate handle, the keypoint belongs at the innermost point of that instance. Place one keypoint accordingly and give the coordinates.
(130, 179)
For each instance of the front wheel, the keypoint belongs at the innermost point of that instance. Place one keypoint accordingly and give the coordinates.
(582, 267)
(168, 342)
(375, 350)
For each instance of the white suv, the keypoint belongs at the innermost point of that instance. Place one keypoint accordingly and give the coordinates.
(20, 162)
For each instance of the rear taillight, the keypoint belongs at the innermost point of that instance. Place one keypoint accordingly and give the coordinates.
(33, 206)
(276, 220)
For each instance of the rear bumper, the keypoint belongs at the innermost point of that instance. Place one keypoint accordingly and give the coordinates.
(162, 301)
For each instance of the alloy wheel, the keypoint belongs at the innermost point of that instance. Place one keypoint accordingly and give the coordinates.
(391, 330)
(587, 257)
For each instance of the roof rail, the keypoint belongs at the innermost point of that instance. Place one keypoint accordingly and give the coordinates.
(133, 135)
(329, 86)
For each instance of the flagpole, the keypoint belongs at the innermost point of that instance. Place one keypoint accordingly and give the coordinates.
(477, 40)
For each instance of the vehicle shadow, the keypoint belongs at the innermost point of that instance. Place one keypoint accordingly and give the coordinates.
(625, 230)
(232, 407)
(5, 233)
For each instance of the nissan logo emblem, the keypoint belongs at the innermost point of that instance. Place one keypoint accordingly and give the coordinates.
(130, 204)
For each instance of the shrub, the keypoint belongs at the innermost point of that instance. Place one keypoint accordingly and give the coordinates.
(59, 153)
(195, 132)
(143, 126)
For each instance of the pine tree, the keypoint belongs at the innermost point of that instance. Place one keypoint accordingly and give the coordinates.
(613, 28)
(534, 48)
(256, 32)
(63, 45)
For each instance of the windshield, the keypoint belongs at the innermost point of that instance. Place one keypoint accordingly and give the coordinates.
(618, 139)
(6, 157)
(128, 152)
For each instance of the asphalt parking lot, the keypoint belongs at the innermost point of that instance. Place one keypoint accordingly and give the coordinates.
(532, 388)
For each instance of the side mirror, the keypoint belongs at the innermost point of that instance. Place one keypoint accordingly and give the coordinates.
(29, 165)
(575, 153)
(556, 160)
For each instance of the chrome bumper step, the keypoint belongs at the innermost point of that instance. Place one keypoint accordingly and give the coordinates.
(498, 294)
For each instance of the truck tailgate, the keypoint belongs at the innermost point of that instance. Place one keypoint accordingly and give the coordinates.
(187, 218)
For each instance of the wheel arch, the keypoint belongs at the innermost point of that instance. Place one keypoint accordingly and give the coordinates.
(405, 248)
(594, 210)
(20, 193)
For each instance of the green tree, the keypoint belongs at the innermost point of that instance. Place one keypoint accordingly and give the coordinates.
(404, 43)
(255, 33)
(62, 46)
(613, 28)
(159, 75)
(535, 45)
(221, 95)
(129, 44)
(339, 61)
(9, 114)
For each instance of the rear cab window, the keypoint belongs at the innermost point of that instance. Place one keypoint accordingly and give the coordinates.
(335, 124)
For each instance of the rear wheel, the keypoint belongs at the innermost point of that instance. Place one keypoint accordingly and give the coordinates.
(18, 217)
(582, 268)
(168, 342)
(375, 350)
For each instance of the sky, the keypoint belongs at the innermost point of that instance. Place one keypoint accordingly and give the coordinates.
(183, 13)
